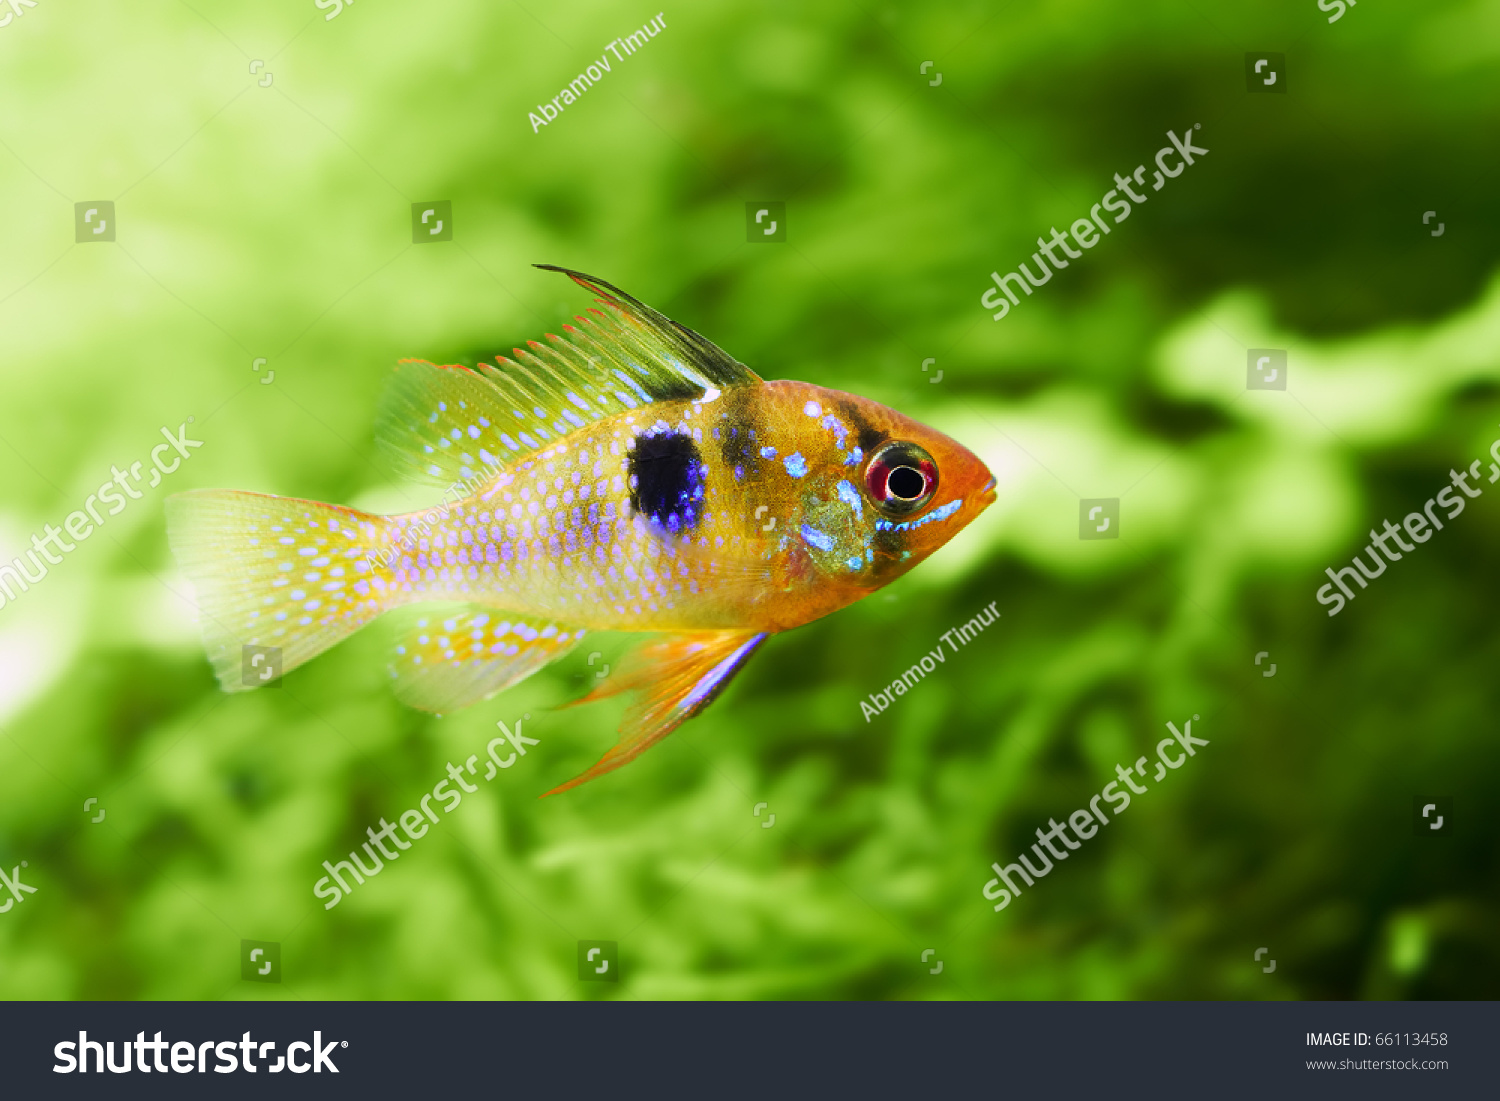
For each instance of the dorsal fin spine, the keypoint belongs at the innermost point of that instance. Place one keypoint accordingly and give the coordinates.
(520, 395)
(541, 378)
(635, 379)
(572, 383)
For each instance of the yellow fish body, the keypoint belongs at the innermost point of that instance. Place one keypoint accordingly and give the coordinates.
(628, 475)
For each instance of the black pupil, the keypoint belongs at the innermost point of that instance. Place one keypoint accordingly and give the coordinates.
(907, 483)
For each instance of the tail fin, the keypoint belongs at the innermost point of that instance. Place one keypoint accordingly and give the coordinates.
(279, 572)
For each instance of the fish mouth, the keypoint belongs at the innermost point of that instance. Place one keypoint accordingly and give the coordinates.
(986, 493)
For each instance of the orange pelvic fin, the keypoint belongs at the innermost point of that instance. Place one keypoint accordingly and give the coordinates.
(675, 679)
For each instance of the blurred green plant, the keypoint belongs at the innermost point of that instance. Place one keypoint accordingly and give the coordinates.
(271, 222)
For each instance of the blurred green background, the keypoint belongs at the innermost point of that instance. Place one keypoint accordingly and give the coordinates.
(272, 220)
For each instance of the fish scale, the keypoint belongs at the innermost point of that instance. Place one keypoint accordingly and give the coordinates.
(626, 475)
(559, 535)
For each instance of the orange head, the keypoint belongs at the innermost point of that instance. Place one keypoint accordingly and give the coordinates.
(878, 492)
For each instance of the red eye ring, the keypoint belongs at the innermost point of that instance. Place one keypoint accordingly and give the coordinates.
(900, 478)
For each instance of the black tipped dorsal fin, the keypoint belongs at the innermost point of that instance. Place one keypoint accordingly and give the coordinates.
(674, 346)
(452, 425)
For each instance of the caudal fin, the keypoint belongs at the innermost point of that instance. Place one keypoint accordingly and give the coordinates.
(276, 572)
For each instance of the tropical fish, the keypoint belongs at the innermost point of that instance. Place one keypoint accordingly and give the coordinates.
(628, 475)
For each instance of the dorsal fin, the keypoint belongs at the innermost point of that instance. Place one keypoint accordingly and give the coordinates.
(661, 334)
(456, 424)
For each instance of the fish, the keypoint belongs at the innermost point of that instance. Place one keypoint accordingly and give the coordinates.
(627, 475)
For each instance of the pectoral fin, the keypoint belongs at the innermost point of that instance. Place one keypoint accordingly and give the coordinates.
(675, 679)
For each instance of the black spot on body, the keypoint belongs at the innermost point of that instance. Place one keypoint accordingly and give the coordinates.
(666, 479)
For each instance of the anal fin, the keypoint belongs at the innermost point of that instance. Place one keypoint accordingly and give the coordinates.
(675, 679)
(449, 656)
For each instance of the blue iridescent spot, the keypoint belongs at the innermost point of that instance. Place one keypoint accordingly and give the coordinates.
(767, 452)
(709, 685)
(855, 457)
(796, 465)
(909, 525)
(850, 496)
(820, 539)
(634, 385)
(836, 426)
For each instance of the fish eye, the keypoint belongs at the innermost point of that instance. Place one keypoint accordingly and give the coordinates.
(900, 478)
